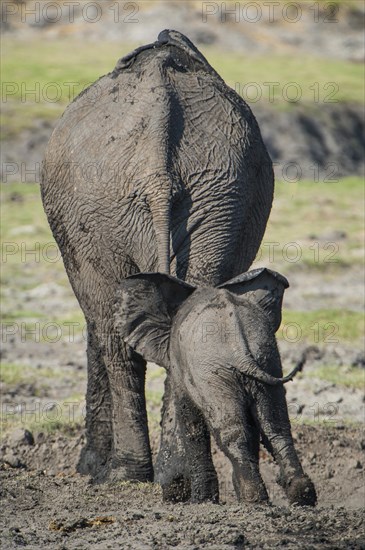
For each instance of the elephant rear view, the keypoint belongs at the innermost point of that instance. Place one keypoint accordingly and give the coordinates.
(156, 166)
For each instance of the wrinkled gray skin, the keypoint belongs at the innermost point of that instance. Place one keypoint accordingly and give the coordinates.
(219, 349)
(158, 166)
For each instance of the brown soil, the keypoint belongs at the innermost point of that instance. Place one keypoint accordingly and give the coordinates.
(47, 504)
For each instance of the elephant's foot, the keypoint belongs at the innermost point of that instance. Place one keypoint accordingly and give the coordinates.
(170, 470)
(91, 461)
(113, 468)
(177, 489)
(198, 489)
(300, 490)
(123, 469)
(251, 491)
(178, 485)
(204, 487)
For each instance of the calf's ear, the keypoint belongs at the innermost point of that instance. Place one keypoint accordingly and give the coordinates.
(262, 287)
(145, 306)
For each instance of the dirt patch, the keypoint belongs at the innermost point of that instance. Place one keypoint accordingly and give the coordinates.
(45, 503)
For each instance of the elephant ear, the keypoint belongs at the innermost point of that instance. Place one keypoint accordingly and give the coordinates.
(145, 306)
(262, 287)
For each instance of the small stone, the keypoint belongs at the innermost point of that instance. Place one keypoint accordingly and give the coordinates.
(359, 360)
(354, 465)
(137, 516)
(12, 460)
(41, 437)
(329, 473)
(21, 437)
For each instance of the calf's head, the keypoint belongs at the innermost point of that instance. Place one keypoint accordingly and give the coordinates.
(161, 317)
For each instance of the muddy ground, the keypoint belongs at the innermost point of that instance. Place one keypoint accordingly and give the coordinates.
(57, 508)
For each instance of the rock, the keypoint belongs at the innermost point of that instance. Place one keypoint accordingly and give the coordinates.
(41, 437)
(23, 230)
(312, 457)
(359, 360)
(21, 437)
(354, 464)
(12, 460)
(331, 236)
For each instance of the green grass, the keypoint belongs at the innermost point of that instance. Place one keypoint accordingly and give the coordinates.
(15, 315)
(311, 77)
(154, 393)
(12, 374)
(33, 66)
(67, 417)
(307, 214)
(324, 421)
(49, 426)
(154, 397)
(15, 213)
(350, 377)
(158, 373)
(27, 255)
(57, 426)
(322, 326)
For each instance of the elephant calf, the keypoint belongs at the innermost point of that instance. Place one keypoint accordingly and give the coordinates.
(219, 349)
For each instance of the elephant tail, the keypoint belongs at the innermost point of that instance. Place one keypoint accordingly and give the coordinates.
(160, 209)
(250, 368)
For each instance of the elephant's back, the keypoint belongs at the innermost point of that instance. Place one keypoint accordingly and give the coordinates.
(164, 112)
(102, 133)
(164, 117)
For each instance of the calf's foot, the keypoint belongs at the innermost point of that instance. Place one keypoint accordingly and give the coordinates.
(300, 490)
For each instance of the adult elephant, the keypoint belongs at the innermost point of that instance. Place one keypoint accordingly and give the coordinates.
(158, 166)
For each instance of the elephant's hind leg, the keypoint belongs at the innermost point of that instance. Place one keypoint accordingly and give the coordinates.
(184, 467)
(237, 436)
(98, 447)
(116, 418)
(170, 468)
(272, 413)
(196, 440)
(131, 453)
